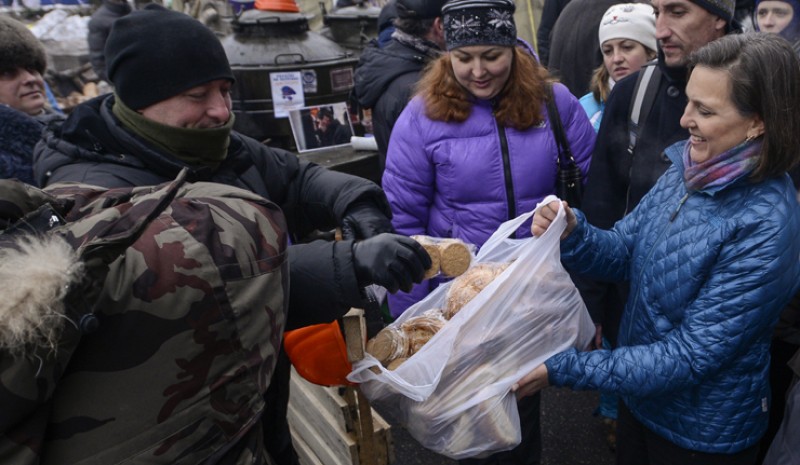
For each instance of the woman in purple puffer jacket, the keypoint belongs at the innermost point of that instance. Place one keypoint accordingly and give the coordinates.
(475, 148)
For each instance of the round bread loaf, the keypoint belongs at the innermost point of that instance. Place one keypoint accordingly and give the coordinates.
(468, 285)
(455, 257)
(433, 251)
(420, 329)
(389, 344)
(395, 363)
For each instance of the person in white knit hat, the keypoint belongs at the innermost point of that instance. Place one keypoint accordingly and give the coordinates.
(627, 35)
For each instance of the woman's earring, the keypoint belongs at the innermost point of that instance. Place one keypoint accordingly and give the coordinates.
(749, 138)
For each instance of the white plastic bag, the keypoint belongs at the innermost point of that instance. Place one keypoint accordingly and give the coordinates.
(454, 395)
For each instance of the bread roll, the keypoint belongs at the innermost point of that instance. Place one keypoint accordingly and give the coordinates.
(433, 251)
(395, 363)
(420, 329)
(468, 285)
(455, 257)
(389, 344)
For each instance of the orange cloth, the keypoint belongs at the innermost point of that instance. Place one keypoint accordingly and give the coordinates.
(319, 354)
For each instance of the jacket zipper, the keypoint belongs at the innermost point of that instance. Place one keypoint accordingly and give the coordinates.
(650, 255)
(512, 209)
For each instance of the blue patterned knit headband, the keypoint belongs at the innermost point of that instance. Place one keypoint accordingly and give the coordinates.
(479, 22)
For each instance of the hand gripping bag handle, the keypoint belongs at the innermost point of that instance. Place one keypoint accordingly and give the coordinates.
(501, 237)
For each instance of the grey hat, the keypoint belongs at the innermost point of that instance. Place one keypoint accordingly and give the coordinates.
(19, 48)
(722, 8)
(419, 9)
(479, 22)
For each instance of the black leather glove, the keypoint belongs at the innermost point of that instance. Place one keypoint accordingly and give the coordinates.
(363, 220)
(390, 260)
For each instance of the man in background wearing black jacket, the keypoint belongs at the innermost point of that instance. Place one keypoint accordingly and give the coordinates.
(385, 77)
(620, 175)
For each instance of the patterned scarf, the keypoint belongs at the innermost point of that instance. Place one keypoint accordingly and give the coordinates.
(419, 44)
(720, 170)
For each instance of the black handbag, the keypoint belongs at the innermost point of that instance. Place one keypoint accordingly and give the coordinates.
(569, 180)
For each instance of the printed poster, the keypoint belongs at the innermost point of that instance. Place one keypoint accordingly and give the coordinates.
(287, 92)
(320, 127)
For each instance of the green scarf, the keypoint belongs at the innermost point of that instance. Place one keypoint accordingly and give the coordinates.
(195, 147)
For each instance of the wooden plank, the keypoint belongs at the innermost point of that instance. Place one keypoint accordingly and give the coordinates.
(382, 449)
(355, 330)
(309, 397)
(305, 455)
(366, 432)
(331, 448)
(337, 426)
(383, 437)
(349, 396)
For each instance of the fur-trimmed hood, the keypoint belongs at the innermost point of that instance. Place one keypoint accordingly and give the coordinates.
(36, 274)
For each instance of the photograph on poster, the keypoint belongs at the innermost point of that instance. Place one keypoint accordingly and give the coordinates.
(321, 126)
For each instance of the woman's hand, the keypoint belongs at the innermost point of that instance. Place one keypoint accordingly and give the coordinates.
(547, 214)
(598, 337)
(531, 383)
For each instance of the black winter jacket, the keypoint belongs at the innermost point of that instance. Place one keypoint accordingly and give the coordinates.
(92, 147)
(384, 81)
(550, 13)
(617, 180)
(99, 28)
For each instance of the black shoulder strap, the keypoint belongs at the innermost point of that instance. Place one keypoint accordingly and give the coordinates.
(564, 149)
(644, 94)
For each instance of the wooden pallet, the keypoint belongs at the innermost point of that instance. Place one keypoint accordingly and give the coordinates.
(336, 425)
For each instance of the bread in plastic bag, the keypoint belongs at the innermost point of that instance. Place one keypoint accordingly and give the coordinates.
(449, 257)
(454, 394)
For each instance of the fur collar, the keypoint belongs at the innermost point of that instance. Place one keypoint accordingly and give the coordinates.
(36, 274)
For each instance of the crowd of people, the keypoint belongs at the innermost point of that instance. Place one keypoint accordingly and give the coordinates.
(185, 249)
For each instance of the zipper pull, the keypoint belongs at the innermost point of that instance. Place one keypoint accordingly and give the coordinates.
(680, 204)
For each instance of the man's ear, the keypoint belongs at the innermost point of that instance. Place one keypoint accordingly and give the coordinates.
(437, 32)
(438, 24)
(720, 25)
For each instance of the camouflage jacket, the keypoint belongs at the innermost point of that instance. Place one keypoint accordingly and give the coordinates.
(166, 362)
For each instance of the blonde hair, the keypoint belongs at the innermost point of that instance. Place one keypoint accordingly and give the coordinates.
(519, 103)
(599, 86)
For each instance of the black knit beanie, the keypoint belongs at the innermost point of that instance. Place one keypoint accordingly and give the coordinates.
(722, 8)
(155, 54)
(479, 22)
(19, 48)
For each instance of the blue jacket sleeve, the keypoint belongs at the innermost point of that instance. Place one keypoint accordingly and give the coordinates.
(597, 253)
(750, 282)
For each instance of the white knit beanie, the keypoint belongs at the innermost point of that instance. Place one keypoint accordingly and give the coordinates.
(635, 21)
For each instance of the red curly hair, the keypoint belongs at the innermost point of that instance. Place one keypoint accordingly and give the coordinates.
(519, 102)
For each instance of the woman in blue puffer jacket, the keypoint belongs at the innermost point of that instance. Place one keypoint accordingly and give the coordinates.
(711, 253)
(475, 148)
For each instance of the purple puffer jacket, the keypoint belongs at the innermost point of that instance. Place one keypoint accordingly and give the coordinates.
(453, 180)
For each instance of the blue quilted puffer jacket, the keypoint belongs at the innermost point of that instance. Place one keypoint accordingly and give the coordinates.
(710, 272)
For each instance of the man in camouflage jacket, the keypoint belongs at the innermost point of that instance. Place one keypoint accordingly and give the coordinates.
(171, 111)
(168, 361)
